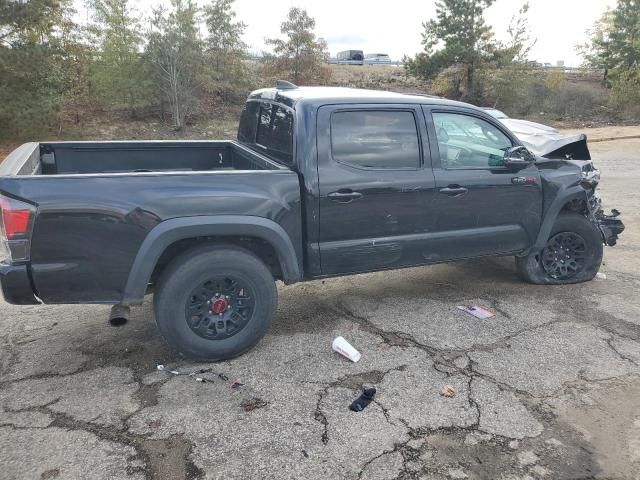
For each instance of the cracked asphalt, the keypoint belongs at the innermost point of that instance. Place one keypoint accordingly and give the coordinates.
(548, 389)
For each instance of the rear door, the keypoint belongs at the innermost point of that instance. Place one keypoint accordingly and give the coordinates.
(483, 207)
(376, 187)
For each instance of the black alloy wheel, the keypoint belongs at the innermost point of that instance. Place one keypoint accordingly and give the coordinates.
(219, 308)
(214, 302)
(564, 255)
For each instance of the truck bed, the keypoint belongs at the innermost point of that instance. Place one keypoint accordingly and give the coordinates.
(96, 203)
(73, 158)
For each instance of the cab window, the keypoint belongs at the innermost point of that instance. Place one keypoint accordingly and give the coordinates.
(375, 139)
(465, 141)
(269, 127)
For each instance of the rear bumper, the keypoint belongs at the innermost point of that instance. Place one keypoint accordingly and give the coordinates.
(16, 285)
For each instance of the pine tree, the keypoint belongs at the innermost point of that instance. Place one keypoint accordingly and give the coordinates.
(624, 37)
(457, 36)
(118, 74)
(300, 56)
(174, 51)
(224, 44)
(614, 43)
(32, 65)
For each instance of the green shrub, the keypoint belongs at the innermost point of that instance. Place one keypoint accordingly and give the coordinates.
(576, 100)
(625, 91)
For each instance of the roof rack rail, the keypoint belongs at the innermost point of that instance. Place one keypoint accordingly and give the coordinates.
(284, 85)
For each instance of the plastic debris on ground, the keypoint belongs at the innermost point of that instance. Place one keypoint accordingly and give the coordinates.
(344, 348)
(601, 276)
(197, 376)
(252, 403)
(477, 311)
(162, 368)
(448, 391)
(360, 403)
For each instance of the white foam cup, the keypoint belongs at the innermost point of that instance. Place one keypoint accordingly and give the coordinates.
(345, 349)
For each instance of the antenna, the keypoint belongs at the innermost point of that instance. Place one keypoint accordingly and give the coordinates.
(284, 85)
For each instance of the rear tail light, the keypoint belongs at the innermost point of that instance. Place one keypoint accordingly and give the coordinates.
(16, 223)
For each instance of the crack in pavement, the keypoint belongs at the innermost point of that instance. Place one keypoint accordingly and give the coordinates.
(139, 442)
(393, 338)
(622, 356)
(352, 381)
(319, 416)
(441, 358)
(146, 448)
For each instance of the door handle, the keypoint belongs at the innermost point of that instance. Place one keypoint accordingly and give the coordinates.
(344, 196)
(454, 191)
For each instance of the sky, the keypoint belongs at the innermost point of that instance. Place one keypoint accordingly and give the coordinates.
(395, 26)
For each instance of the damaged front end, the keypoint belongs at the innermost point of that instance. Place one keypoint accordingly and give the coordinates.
(609, 224)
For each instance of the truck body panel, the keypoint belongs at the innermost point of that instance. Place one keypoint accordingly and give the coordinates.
(322, 182)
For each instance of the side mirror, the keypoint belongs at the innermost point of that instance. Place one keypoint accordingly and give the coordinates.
(517, 157)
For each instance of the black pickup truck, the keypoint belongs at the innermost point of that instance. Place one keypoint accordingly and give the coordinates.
(321, 182)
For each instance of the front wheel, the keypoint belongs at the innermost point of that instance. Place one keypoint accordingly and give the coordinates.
(214, 303)
(572, 254)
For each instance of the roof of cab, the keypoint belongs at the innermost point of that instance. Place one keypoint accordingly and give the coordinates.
(335, 95)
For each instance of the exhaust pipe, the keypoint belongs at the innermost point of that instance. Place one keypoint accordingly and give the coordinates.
(119, 315)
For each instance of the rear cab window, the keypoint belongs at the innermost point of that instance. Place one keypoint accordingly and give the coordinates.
(268, 128)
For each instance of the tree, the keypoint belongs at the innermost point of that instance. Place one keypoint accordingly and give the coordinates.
(224, 44)
(32, 64)
(77, 60)
(508, 80)
(624, 37)
(300, 56)
(519, 43)
(458, 35)
(118, 74)
(30, 21)
(615, 40)
(174, 51)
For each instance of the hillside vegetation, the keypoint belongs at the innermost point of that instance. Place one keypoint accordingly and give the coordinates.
(187, 72)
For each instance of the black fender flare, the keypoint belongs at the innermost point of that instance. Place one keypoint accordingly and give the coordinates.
(173, 230)
(562, 198)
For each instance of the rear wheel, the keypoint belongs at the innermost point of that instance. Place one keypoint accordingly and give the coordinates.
(572, 254)
(214, 303)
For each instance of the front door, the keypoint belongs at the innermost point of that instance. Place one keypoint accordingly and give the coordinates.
(483, 207)
(376, 187)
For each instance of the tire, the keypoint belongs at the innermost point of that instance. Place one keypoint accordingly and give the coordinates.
(532, 267)
(190, 325)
